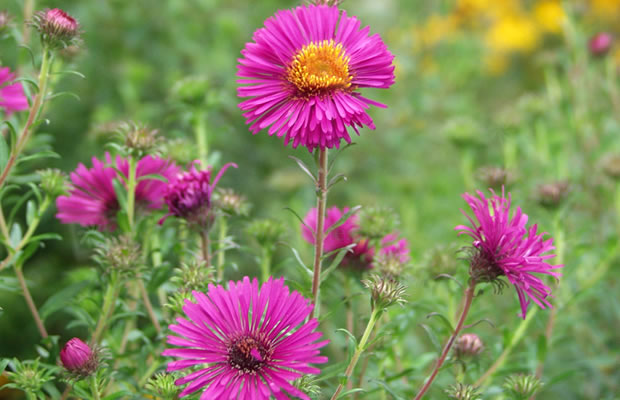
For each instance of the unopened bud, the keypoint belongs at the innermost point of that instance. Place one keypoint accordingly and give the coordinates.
(191, 90)
(495, 177)
(122, 254)
(308, 384)
(193, 276)
(267, 232)
(78, 358)
(552, 194)
(522, 387)
(231, 203)
(139, 139)
(53, 182)
(468, 345)
(600, 44)
(57, 28)
(376, 222)
(462, 392)
(162, 385)
(29, 375)
(385, 292)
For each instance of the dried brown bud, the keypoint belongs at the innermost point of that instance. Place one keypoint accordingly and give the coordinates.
(552, 194)
(495, 177)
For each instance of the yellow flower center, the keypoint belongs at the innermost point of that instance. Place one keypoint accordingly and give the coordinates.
(319, 68)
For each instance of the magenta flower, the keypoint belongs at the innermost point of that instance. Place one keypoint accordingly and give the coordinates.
(78, 358)
(503, 246)
(392, 247)
(342, 236)
(188, 196)
(92, 200)
(302, 74)
(600, 44)
(12, 97)
(57, 28)
(246, 342)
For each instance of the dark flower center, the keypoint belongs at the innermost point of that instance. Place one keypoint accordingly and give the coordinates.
(484, 266)
(248, 354)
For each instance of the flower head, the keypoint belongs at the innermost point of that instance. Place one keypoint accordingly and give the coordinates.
(57, 28)
(340, 237)
(503, 246)
(78, 358)
(189, 195)
(92, 200)
(302, 73)
(12, 97)
(393, 255)
(246, 342)
(468, 345)
(600, 44)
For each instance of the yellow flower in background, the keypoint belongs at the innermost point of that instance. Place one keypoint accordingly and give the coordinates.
(605, 8)
(512, 33)
(495, 63)
(549, 15)
(436, 29)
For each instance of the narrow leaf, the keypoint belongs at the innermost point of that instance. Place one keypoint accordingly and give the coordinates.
(343, 219)
(304, 168)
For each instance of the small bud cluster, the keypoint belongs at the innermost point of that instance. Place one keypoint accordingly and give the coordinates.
(79, 359)
(57, 28)
(522, 387)
(463, 392)
(552, 194)
(468, 345)
(308, 384)
(189, 277)
(29, 376)
(121, 254)
(53, 182)
(231, 203)
(385, 292)
(392, 257)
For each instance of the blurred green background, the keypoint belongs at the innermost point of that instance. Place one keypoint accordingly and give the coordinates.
(479, 83)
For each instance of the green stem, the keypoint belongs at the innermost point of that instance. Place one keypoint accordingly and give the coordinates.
(265, 265)
(321, 194)
(30, 302)
(149, 306)
(516, 338)
(467, 166)
(28, 11)
(221, 252)
(469, 296)
(200, 126)
(204, 247)
(131, 192)
(94, 387)
(109, 300)
(33, 115)
(359, 349)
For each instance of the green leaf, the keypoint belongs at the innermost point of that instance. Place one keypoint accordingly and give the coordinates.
(123, 394)
(443, 319)
(61, 299)
(158, 177)
(70, 72)
(431, 336)
(38, 155)
(348, 392)
(25, 254)
(3, 364)
(46, 236)
(121, 193)
(337, 260)
(300, 219)
(31, 212)
(4, 152)
(343, 219)
(304, 168)
(15, 236)
(12, 134)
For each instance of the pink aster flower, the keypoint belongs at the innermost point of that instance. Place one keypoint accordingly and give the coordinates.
(92, 200)
(12, 97)
(340, 237)
(600, 44)
(189, 195)
(302, 73)
(504, 246)
(392, 247)
(246, 342)
(78, 358)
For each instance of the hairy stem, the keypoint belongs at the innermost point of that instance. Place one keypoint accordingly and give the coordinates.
(109, 300)
(30, 302)
(149, 306)
(204, 247)
(359, 349)
(321, 199)
(469, 296)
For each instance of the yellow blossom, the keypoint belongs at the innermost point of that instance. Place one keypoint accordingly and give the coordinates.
(495, 63)
(436, 29)
(549, 15)
(605, 8)
(512, 33)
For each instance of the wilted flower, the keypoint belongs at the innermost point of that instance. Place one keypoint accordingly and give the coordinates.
(468, 345)
(78, 358)
(522, 387)
(303, 72)
(57, 28)
(503, 246)
(552, 194)
(92, 200)
(344, 235)
(12, 97)
(600, 44)
(189, 195)
(245, 342)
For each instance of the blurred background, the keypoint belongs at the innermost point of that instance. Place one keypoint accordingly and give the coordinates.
(488, 92)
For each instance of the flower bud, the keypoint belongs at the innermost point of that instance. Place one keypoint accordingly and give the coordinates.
(552, 194)
(78, 358)
(57, 28)
(600, 44)
(495, 177)
(138, 139)
(53, 182)
(122, 254)
(163, 386)
(611, 165)
(522, 387)
(468, 345)
(376, 222)
(266, 232)
(231, 203)
(385, 292)
(191, 90)
(462, 392)
(29, 375)
(393, 256)
(5, 18)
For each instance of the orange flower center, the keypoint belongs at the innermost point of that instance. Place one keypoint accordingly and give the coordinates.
(319, 68)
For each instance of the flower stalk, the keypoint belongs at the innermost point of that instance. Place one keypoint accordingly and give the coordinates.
(321, 194)
(107, 309)
(468, 298)
(94, 388)
(360, 348)
(221, 251)
(30, 302)
(149, 306)
(131, 192)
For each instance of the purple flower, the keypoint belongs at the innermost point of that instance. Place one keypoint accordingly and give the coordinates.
(600, 44)
(12, 97)
(78, 358)
(392, 247)
(302, 73)
(342, 236)
(188, 196)
(246, 342)
(92, 200)
(503, 246)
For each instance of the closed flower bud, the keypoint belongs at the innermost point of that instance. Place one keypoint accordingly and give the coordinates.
(266, 232)
(57, 28)
(385, 292)
(600, 44)
(78, 358)
(468, 345)
(462, 392)
(121, 254)
(162, 385)
(53, 182)
(191, 90)
(231, 203)
(552, 194)
(138, 139)
(495, 177)
(522, 387)
(376, 222)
